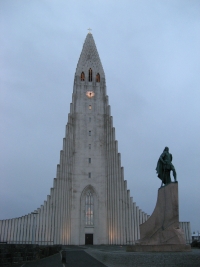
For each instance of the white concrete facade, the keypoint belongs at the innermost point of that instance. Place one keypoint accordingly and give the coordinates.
(89, 194)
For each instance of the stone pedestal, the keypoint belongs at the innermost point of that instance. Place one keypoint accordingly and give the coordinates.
(161, 231)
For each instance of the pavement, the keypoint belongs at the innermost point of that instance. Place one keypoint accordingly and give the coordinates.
(116, 256)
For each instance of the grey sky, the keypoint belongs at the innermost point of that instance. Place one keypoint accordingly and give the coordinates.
(150, 51)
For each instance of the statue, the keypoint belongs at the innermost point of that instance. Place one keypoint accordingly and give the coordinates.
(164, 166)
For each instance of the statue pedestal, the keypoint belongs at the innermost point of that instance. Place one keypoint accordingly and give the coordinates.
(161, 231)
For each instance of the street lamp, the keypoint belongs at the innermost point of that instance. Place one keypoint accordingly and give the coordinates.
(34, 228)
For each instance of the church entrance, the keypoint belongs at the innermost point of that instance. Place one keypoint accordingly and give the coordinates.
(89, 239)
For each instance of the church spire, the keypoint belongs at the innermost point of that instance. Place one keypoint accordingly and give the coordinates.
(89, 59)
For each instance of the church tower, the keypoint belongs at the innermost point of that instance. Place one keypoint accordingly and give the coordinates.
(89, 202)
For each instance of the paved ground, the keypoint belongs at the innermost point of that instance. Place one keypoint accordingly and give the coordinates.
(80, 258)
(70, 257)
(52, 261)
(116, 256)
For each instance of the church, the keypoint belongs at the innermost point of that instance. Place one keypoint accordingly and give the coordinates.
(89, 202)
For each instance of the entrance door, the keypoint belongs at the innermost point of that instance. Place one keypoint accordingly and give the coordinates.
(89, 239)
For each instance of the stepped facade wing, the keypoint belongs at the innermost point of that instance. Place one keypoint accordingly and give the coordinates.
(89, 201)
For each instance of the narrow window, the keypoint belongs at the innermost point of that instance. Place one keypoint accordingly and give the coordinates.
(89, 160)
(89, 174)
(89, 133)
(82, 76)
(90, 75)
(90, 107)
(89, 119)
(98, 78)
(89, 146)
(89, 208)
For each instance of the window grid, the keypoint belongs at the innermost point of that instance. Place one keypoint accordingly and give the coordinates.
(89, 209)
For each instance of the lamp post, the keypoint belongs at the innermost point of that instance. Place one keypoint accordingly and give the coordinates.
(34, 228)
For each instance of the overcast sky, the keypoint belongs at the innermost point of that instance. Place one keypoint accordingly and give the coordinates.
(150, 51)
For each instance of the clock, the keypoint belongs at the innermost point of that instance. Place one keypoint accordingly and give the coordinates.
(90, 94)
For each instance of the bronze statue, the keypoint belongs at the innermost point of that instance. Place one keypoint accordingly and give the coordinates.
(164, 166)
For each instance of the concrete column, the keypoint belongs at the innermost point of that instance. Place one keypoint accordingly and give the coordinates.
(37, 225)
(23, 232)
(112, 188)
(114, 185)
(48, 220)
(29, 229)
(117, 192)
(60, 227)
(135, 222)
(25, 229)
(56, 211)
(120, 200)
(123, 207)
(131, 221)
(107, 172)
(69, 153)
(64, 191)
(18, 230)
(138, 222)
(12, 230)
(3, 230)
(45, 223)
(52, 216)
(110, 180)
(8, 230)
(70, 177)
(128, 217)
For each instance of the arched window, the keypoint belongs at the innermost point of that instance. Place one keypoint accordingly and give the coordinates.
(82, 76)
(98, 78)
(90, 75)
(89, 208)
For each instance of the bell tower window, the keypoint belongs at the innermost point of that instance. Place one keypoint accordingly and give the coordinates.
(82, 76)
(98, 78)
(90, 75)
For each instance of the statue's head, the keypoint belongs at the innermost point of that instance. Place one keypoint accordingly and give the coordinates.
(166, 149)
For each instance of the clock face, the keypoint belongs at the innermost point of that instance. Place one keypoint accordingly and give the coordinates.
(90, 94)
